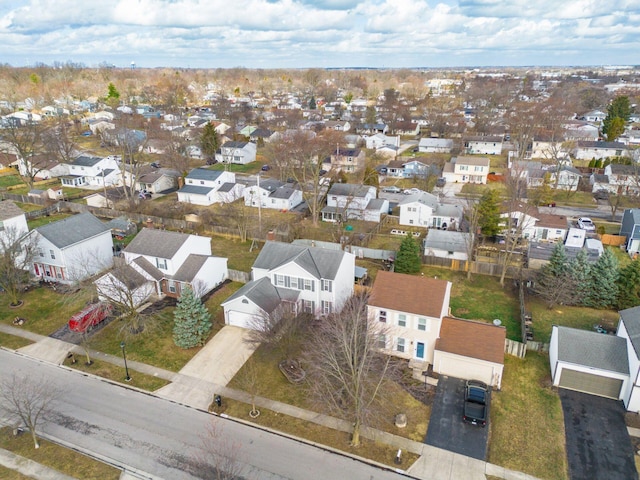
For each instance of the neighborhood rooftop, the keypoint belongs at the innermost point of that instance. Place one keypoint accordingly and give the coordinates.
(72, 230)
(157, 243)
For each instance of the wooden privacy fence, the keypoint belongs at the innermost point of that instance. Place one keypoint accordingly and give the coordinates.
(613, 240)
(517, 349)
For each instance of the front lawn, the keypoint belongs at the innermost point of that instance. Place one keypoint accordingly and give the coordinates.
(57, 457)
(113, 372)
(527, 424)
(155, 344)
(13, 342)
(253, 167)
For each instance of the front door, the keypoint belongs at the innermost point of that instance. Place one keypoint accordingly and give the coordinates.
(420, 350)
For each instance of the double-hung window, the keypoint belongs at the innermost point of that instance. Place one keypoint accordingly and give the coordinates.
(400, 345)
(402, 320)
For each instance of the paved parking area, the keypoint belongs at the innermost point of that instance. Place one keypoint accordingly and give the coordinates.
(446, 428)
(598, 444)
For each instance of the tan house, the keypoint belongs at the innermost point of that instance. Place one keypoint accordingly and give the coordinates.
(466, 169)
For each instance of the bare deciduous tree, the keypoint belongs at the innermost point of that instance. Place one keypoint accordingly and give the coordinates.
(28, 400)
(283, 329)
(347, 372)
(221, 457)
(16, 258)
(472, 218)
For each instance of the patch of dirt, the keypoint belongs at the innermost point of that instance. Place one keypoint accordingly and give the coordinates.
(632, 420)
(422, 392)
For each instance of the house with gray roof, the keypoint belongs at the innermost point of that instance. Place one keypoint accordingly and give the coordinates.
(351, 201)
(423, 209)
(72, 249)
(13, 224)
(630, 228)
(591, 362)
(274, 194)
(87, 171)
(313, 280)
(447, 244)
(169, 261)
(203, 186)
(237, 152)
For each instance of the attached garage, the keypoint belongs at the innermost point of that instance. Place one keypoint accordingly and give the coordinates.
(238, 319)
(470, 350)
(590, 383)
(589, 362)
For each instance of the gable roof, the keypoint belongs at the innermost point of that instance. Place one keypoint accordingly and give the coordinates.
(409, 293)
(8, 210)
(447, 240)
(157, 243)
(264, 294)
(190, 267)
(72, 230)
(319, 262)
(129, 276)
(204, 174)
(631, 320)
(592, 349)
(349, 189)
(424, 198)
(86, 161)
(473, 161)
(473, 339)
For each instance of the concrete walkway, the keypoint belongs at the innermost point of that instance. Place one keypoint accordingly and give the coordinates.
(195, 389)
(30, 468)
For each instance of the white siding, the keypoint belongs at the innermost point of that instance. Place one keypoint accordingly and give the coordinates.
(467, 368)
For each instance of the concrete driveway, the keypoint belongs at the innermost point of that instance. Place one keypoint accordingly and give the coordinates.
(598, 444)
(213, 366)
(446, 428)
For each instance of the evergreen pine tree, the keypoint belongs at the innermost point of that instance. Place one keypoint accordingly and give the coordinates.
(192, 321)
(629, 286)
(603, 286)
(558, 262)
(209, 141)
(408, 259)
(552, 281)
(489, 213)
(580, 279)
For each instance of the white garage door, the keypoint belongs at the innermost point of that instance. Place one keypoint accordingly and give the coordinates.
(465, 367)
(590, 383)
(238, 319)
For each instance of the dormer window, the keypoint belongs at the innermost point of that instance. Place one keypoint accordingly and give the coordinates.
(161, 263)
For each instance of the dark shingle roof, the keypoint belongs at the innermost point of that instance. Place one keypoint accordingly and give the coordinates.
(87, 161)
(190, 267)
(8, 209)
(349, 189)
(472, 339)
(195, 189)
(72, 230)
(319, 262)
(264, 294)
(204, 174)
(157, 243)
(631, 319)
(591, 349)
(148, 267)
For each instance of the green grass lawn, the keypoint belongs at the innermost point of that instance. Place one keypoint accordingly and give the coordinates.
(240, 258)
(155, 344)
(527, 424)
(57, 457)
(40, 221)
(13, 342)
(482, 298)
(10, 180)
(44, 309)
(252, 167)
(116, 373)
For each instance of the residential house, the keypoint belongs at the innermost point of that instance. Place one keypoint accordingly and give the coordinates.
(87, 171)
(549, 149)
(13, 224)
(483, 145)
(529, 171)
(41, 167)
(520, 217)
(466, 170)
(158, 180)
(435, 145)
(623, 179)
(206, 187)
(349, 201)
(594, 116)
(630, 228)
(565, 178)
(312, 280)
(237, 152)
(347, 159)
(273, 194)
(550, 228)
(379, 140)
(337, 125)
(598, 150)
(107, 198)
(579, 130)
(406, 127)
(448, 244)
(163, 263)
(260, 135)
(424, 210)
(72, 249)
(411, 313)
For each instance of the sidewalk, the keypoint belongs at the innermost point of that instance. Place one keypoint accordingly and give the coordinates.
(30, 468)
(433, 464)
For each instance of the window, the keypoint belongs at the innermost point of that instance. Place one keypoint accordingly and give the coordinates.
(400, 345)
(382, 341)
(477, 169)
(326, 285)
(172, 286)
(293, 283)
(402, 320)
(280, 281)
(244, 300)
(308, 285)
(161, 263)
(41, 253)
(410, 222)
(382, 316)
(422, 324)
(326, 307)
(201, 182)
(52, 253)
(308, 306)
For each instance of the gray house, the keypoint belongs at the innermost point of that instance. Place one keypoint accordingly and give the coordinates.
(630, 228)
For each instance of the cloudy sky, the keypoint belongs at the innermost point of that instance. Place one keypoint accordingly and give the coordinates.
(321, 33)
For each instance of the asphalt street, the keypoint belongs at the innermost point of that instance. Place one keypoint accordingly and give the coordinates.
(165, 439)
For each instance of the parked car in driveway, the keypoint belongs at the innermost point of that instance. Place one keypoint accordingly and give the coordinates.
(475, 403)
(392, 189)
(585, 223)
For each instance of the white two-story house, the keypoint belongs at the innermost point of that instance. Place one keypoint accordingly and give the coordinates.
(87, 171)
(237, 152)
(424, 210)
(483, 145)
(203, 186)
(466, 169)
(162, 263)
(72, 249)
(13, 224)
(312, 280)
(274, 194)
(350, 201)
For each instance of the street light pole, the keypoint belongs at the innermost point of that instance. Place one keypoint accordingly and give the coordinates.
(124, 356)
